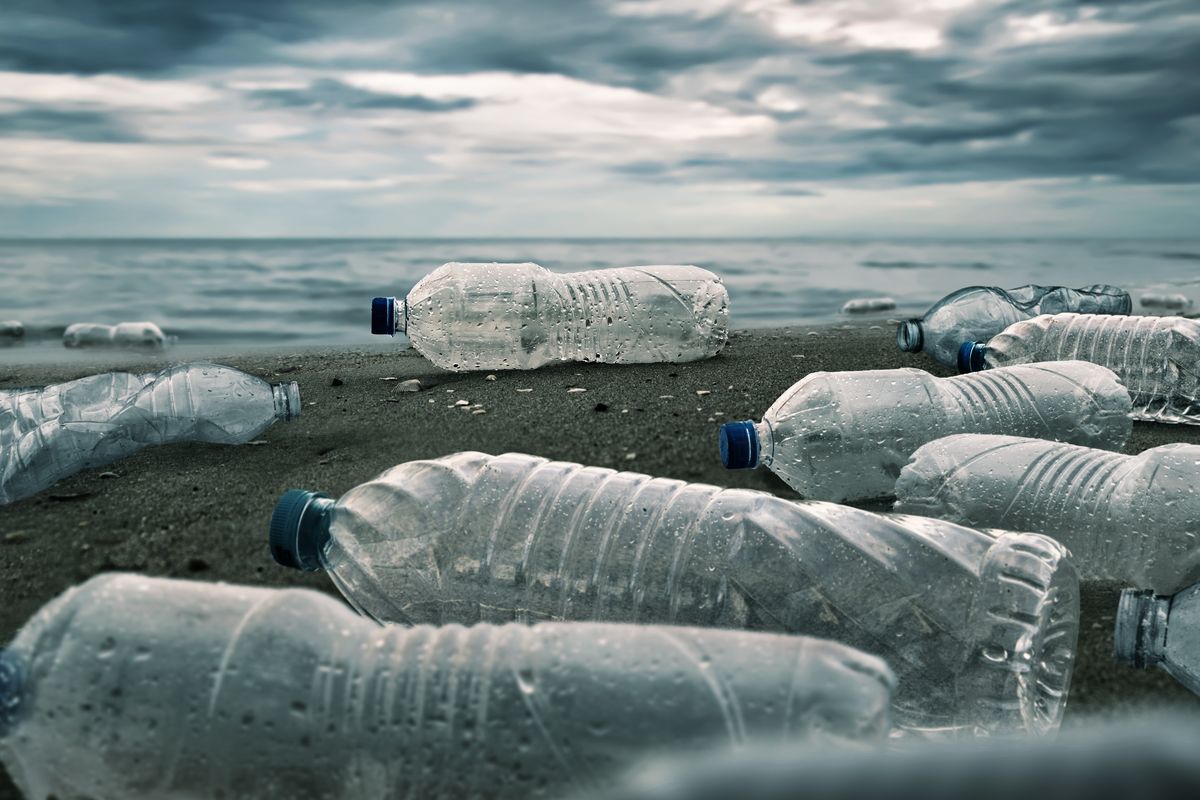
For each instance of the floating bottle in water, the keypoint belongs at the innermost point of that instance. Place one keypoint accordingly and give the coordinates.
(130, 687)
(124, 334)
(1134, 519)
(846, 435)
(522, 316)
(1157, 358)
(1170, 300)
(980, 628)
(1160, 630)
(47, 434)
(978, 313)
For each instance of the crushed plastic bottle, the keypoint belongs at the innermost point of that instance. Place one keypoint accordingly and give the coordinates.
(1160, 630)
(846, 435)
(867, 305)
(11, 329)
(1170, 300)
(978, 313)
(124, 334)
(1157, 358)
(130, 687)
(47, 434)
(522, 316)
(1134, 519)
(979, 627)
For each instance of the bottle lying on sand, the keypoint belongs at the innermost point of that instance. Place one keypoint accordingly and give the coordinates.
(980, 628)
(868, 305)
(130, 687)
(1172, 300)
(11, 329)
(846, 435)
(977, 313)
(1157, 358)
(521, 316)
(1134, 519)
(124, 334)
(1160, 630)
(49, 433)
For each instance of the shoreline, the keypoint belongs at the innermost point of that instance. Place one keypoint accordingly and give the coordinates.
(201, 511)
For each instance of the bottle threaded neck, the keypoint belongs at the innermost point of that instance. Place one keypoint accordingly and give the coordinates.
(287, 400)
(12, 689)
(909, 336)
(1140, 631)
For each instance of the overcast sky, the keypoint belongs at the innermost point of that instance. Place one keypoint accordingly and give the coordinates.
(599, 118)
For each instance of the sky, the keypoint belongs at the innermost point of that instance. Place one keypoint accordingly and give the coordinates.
(598, 118)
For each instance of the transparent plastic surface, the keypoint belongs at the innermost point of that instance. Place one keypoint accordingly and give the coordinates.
(49, 433)
(124, 334)
(977, 313)
(1157, 358)
(1134, 519)
(134, 687)
(846, 435)
(1160, 631)
(979, 628)
(521, 316)
(1173, 300)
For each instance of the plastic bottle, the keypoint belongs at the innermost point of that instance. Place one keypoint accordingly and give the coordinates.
(977, 313)
(521, 316)
(1172, 300)
(130, 687)
(1157, 358)
(11, 329)
(1160, 630)
(124, 334)
(867, 305)
(1134, 519)
(846, 435)
(49, 433)
(980, 628)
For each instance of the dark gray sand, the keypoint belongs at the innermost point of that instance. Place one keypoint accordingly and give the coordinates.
(201, 511)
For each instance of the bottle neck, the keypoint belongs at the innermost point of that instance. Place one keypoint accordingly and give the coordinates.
(910, 337)
(401, 323)
(287, 400)
(1140, 633)
(766, 443)
(12, 689)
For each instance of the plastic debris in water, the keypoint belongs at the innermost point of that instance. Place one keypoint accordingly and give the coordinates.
(124, 334)
(866, 305)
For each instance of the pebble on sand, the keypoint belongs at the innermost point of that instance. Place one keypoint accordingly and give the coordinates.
(412, 385)
(576, 390)
(489, 377)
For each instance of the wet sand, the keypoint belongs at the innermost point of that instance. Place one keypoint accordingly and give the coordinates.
(201, 511)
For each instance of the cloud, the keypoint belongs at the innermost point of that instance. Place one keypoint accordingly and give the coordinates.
(329, 94)
(80, 126)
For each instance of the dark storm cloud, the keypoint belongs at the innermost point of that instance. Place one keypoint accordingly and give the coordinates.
(79, 126)
(332, 94)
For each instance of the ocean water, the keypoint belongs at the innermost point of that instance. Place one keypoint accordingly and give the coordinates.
(304, 292)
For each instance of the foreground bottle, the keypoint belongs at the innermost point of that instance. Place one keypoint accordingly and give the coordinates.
(846, 435)
(1134, 519)
(1157, 358)
(979, 628)
(130, 687)
(47, 434)
(521, 316)
(124, 334)
(977, 313)
(1160, 630)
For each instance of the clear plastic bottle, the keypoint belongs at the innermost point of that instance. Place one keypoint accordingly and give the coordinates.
(11, 329)
(1171, 300)
(1157, 358)
(1160, 630)
(130, 687)
(846, 435)
(124, 334)
(1134, 519)
(521, 316)
(977, 313)
(868, 305)
(980, 628)
(49, 433)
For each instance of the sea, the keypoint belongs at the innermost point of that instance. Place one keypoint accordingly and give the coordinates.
(232, 293)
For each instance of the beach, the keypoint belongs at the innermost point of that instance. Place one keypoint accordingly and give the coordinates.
(201, 511)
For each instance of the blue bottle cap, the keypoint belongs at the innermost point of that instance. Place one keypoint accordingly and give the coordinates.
(299, 529)
(383, 315)
(739, 445)
(12, 689)
(970, 357)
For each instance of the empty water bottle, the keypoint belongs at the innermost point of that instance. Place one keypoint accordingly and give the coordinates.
(11, 329)
(978, 313)
(124, 334)
(130, 687)
(1172, 300)
(49, 433)
(867, 305)
(980, 628)
(1134, 519)
(522, 316)
(846, 435)
(1157, 358)
(1160, 630)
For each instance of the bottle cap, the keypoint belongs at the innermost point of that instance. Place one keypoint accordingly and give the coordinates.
(970, 357)
(909, 336)
(739, 445)
(383, 315)
(12, 688)
(299, 529)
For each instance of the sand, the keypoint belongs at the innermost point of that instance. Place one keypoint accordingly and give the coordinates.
(201, 511)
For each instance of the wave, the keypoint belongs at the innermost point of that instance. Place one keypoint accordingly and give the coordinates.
(926, 264)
